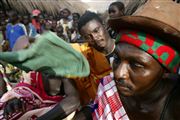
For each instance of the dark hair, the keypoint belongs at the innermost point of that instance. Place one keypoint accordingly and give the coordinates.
(67, 10)
(86, 17)
(119, 5)
(12, 13)
(78, 15)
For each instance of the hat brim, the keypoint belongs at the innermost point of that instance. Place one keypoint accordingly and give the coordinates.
(169, 34)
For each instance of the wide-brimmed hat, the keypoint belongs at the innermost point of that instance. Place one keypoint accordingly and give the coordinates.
(157, 17)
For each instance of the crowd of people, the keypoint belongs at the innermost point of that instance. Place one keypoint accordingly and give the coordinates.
(128, 67)
(35, 23)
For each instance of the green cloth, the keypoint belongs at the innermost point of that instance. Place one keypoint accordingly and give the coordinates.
(1, 36)
(49, 54)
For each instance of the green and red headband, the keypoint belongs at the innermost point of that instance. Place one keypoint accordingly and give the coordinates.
(162, 52)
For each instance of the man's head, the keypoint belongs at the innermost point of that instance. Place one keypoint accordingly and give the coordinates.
(141, 59)
(13, 16)
(54, 24)
(26, 19)
(92, 30)
(36, 13)
(65, 13)
(116, 9)
(135, 71)
(76, 17)
(48, 26)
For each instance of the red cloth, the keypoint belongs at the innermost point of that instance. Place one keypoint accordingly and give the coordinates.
(35, 99)
(38, 88)
(109, 105)
(36, 25)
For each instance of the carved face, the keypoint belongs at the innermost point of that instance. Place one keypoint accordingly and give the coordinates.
(135, 71)
(96, 35)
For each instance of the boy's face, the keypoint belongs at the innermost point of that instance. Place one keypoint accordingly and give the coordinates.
(114, 12)
(96, 34)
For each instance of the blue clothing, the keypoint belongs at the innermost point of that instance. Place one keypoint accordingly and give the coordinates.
(13, 32)
(33, 31)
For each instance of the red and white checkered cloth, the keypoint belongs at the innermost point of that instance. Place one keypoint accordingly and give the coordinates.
(108, 103)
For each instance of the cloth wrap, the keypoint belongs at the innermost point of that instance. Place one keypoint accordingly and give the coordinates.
(49, 54)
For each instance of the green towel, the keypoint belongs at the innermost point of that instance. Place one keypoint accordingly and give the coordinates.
(49, 54)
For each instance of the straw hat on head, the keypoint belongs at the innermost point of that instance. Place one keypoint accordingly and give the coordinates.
(157, 17)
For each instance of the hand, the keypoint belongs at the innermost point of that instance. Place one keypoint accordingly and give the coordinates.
(31, 39)
(5, 45)
(14, 105)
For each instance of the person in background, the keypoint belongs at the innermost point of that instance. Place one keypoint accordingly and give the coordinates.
(50, 19)
(14, 29)
(48, 26)
(75, 36)
(42, 21)
(35, 20)
(115, 10)
(59, 32)
(65, 22)
(20, 18)
(54, 25)
(76, 17)
(30, 30)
